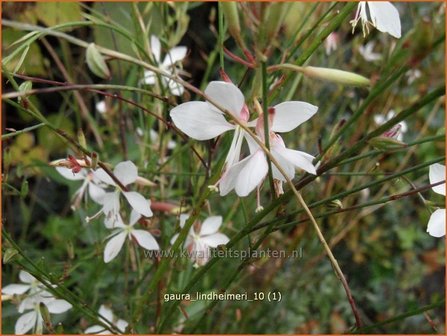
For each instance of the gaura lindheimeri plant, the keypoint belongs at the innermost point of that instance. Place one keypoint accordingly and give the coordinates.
(108, 316)
(168, 65)
(198, 244)
(32, 294)
(436, 223)
(249, 173)
(127, 173)
(382, 15)
(123, 231)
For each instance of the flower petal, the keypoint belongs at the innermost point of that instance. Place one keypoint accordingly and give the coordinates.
(58, 306)
(25, 323)
(139, 203)
(215, 239)
(291, 114)
(437, 174)
(299, 159)
(96, 193)
(385, 17)
(150, 78)
(198, 121)
(16, 289)
(96, 329)
(226, 95)
(156, 47)
(174, 238)
(175, 88)
(68, 174)
(121, 325)
(175, 55)
(134, 217)
(183, 218)
(101, 175)
(436, 224)
(114, 246)
(106, 313)
(26, 277)
(145, 239)
(210, 225)
(126, 172)
(252, 174)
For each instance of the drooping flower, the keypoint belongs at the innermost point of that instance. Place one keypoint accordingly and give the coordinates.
(107, 315)
(368, 54)
(168, 65)
(199, 244)
(397, 131)
(33, 293)
(127, 173)
(436, 223)
(203, 121)
(249, 173)
(123, 231)
(380, 14)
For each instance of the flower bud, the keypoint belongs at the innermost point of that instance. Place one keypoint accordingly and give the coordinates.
(273, 19)
(9, 255)
(44, 312)
(96, 62)
(385, 143)
(232, 18)
(336, 76)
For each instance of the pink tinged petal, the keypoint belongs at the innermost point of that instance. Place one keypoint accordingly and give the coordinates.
(385, 17)
(25, 323)
(436, 224)
(138, 203)
(174, 55)
(437, 174)
(210, 225)
(174, 238)
(215, 239)
(114, 246)
(96, 329)
(15, 289)
(106, 313)
(291, 114)
(26, 277)
(175, 88)
(226, 95)
(96, 193)
(126, 172)
(68, 174)
(58, 306)
(252, 174)
(198, 121)
(145, 239)
(156, 47)
(101, 175)
(121, 325)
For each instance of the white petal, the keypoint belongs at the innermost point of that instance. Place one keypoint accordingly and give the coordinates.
(126, 172)
(150, 78)
(26, 277)
(145, 239)
(437, 174)
(210, 225)
(96, 329)
(285, 164)
(299, 159)
(198, 121)
(436, 224)
(96, 193)
(252, 174)
(138, 203)
(58, 306)
(106, 313)
(134, 217)
(114, 246)
(121, 325)
(385, 17)
(226, 95)
(111, 204)
(183, 219)
(174, 55)
(215, 239)
(174, 238)
(15, 289)
(155, 47)
(101, 175)
(25, 323)
(229, 178)
(291, 114)
(68, 174)
(101, 106)
(175, 88)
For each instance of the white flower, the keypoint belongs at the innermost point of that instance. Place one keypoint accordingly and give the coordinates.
(168, 66)
(382, 15)
(108, 316)
(249, 173)
(94, 186)
(123, 231)
(34, 294)
(203, 121)
(198, 244)
(101, 106)
(436, 223)
(402, 126)
(367, 52)
(127, 173)
(331, 43)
